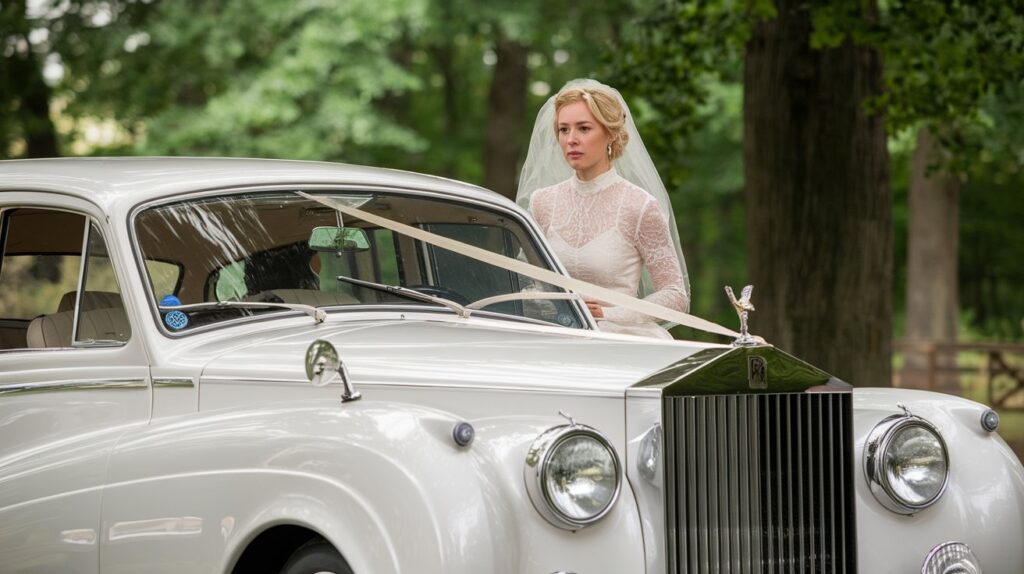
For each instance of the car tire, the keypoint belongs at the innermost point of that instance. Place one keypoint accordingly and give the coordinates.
(316, 557)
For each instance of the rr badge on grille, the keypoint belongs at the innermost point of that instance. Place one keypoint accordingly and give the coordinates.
(757, 372)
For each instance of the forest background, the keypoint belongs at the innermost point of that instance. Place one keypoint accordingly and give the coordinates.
(859, 161)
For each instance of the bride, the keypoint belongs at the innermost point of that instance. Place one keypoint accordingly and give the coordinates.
(590, 184)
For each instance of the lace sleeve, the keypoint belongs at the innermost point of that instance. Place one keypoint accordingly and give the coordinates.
(655, 246)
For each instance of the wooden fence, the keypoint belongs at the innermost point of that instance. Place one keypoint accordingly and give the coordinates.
(1002, 368)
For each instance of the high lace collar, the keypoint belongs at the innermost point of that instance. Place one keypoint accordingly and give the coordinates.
(598, 184)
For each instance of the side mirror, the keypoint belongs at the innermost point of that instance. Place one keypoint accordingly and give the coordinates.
(323, 366)
(338, 239)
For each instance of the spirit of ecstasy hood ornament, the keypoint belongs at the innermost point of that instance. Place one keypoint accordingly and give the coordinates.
(743, 308)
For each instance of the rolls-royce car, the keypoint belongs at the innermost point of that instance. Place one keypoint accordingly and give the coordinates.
(233, 366)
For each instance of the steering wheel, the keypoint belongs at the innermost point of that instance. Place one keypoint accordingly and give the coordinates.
(440, 291)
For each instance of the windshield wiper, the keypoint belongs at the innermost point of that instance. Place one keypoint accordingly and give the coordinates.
(318, 315)
(408, 294)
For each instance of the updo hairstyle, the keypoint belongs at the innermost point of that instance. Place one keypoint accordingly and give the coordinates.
(606, 109)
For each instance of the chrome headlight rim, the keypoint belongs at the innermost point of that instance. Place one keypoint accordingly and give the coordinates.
(878, 442)
(939, 558)
(536, 467)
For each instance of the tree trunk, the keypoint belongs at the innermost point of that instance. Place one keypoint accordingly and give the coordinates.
(444, 55)
(26, 70)
(932, 247)
(819, 205)
(40, 133)
(507, 112)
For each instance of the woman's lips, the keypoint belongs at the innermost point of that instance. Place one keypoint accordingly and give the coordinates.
(575, 154)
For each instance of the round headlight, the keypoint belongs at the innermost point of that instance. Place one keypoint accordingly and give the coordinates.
(951, 558)
(572, 475)
(906, 463)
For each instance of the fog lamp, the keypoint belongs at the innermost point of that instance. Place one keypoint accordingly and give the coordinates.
(951, 558)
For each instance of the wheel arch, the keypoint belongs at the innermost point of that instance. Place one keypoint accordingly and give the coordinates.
(269, 549)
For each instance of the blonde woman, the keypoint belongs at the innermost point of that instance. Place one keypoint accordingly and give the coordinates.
(590, 184)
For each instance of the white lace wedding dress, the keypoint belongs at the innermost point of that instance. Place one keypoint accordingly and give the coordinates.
(605, 232)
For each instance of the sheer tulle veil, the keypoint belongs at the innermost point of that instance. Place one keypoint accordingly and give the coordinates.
(545, 166)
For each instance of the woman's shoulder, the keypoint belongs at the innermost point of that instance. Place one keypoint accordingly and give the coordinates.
(634, 201)
(633, 192)
(545, 193)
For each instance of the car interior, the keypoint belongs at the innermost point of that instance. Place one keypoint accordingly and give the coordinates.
(50, 256)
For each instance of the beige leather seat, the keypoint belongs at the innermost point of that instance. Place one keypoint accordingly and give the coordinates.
(103, 318)
(91, 300)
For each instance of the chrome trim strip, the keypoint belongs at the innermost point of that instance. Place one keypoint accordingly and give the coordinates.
(219, 379)
(82, 385)
(173, 383)
(81, 279)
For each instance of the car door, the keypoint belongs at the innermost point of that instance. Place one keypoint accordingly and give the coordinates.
(73, 379)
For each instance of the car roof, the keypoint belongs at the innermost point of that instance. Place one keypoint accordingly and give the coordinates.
(123, 182)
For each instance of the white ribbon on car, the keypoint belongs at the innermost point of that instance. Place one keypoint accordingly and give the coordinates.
(529, 270)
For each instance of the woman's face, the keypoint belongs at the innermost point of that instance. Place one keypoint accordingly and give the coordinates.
(584, 141)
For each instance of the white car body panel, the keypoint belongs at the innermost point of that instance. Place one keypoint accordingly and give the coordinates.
(176, 453)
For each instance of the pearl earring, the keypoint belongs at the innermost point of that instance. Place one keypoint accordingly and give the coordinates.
(609, 151)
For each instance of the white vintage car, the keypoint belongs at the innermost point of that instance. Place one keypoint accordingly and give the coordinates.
(231, 366)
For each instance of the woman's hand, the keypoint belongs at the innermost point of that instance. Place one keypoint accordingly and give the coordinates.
(595, 308)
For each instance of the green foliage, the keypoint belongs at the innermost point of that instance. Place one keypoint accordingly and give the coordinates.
(990, 259)
(943, 57)
(254, 78)
(672, 50)
(957, 64)
(405, 83)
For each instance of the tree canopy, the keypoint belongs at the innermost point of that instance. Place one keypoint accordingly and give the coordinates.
(412, 84)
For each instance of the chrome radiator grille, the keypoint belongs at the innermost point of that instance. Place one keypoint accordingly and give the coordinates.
(759, 484)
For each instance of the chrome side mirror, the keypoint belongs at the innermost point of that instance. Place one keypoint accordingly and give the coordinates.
(323, 366)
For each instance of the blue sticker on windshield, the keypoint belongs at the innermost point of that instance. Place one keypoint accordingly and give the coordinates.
(176, 320)
(170, 301)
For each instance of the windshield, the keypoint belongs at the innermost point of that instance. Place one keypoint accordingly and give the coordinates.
(255, 248)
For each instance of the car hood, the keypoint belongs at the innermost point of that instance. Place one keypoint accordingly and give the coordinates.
(457, 354)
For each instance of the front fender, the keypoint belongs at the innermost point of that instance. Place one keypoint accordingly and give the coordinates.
(983, 505)
(384, 482)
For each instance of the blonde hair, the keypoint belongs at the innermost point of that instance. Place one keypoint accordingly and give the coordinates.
(606, 110)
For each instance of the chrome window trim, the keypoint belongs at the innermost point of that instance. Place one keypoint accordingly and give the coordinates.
(112, 345)
(73, 385)
(75, 343)
(536, 236)
(81, 278)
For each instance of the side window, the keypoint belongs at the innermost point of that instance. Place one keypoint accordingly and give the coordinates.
(101, 316)
(40, 276)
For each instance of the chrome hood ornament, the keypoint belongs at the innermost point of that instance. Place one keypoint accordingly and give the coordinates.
(743, 308)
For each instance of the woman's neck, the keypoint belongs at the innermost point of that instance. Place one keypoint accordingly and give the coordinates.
(593, 171)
